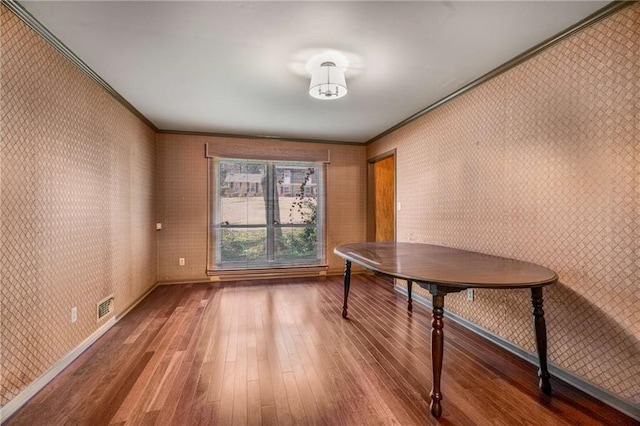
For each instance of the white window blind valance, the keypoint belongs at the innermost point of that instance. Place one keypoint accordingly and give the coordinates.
(258, 152)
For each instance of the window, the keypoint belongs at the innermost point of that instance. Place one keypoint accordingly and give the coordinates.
(267, 214)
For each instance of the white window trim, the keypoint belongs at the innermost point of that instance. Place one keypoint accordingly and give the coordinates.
(214, 264)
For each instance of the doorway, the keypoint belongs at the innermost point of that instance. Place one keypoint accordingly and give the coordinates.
(382, 198)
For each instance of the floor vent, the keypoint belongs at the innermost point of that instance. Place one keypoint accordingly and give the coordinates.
(105, 307)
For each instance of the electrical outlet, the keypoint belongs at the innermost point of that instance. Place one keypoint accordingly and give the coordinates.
(470, 294)
(181, 261)
(74, 314)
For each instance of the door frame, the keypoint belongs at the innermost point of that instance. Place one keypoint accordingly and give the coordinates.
(371, 199)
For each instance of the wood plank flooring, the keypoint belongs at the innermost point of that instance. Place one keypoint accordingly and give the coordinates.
(279, 353)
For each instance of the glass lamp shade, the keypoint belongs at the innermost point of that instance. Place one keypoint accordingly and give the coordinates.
(327, 82)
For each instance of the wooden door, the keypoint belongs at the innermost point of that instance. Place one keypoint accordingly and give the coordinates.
(383, 193)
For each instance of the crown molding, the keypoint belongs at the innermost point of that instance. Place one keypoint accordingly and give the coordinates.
(598, 15)
(24, 15)
(257, 137)
(15, 7)
(35, 25)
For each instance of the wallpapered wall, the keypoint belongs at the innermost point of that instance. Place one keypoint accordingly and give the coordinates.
(77, 205)
(182, 199)
(543, 164)
(539, 164)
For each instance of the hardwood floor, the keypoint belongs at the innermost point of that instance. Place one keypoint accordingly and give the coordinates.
(279, 352)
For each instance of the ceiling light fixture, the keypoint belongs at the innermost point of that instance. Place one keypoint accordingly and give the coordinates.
(328, 82)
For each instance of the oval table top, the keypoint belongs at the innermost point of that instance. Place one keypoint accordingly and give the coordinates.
(446, 266)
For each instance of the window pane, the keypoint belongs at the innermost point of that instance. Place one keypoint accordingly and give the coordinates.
(294, 244)
(242, 193)
(243, 245)
(297, 193)
(268, 214)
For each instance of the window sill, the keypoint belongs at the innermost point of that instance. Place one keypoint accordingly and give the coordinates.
(256, 274)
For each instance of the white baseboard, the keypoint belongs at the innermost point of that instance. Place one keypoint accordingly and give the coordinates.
(137, 301)
(39, 383)
(262, 275)
(27, 393)
(620, 404)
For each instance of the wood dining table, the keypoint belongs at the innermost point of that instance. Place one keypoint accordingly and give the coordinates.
(443, 270)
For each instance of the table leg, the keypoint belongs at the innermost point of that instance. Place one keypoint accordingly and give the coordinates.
(347, 283)
(437, 350)
(410, 302)
(541, 339)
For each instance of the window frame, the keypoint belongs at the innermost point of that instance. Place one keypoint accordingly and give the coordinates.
(215, 263)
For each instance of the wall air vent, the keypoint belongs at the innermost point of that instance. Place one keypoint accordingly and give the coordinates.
(105, 307)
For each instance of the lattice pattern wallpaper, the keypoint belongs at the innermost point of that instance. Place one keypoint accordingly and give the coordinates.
(182, 199)
(77, 205)
(543, 164)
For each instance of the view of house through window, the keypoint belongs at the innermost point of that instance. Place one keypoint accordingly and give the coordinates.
(268, 214)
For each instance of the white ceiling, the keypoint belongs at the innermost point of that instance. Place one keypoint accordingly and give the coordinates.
(236, 67)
